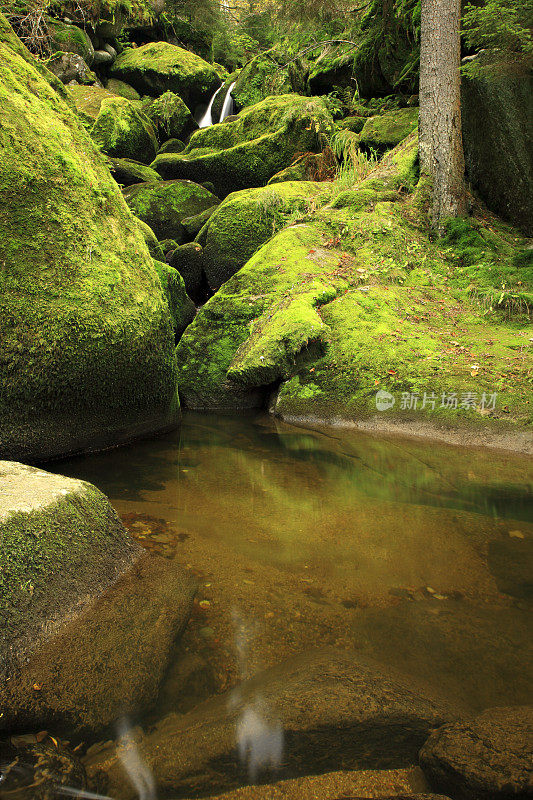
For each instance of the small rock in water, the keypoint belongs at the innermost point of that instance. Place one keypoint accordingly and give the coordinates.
(485, 758)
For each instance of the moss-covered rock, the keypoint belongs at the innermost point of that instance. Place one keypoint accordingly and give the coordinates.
(309, 167)
(262, 77)
(160, 67)
(61, 545)
(86, 341)
(172, 146)
(209, 346)
(247, 151)
(151, 240)
(246, 220)
(182, 308)
(120, 130)
(163, 205)
(333, 326)
(355, 124)
(88, 99)
(69, 38)
(11, 40)
(70, 68)
(127, 172)
(109, 660)
(193, 225)
(123, 89)
(171, 117)
(188, 261)
(497, 109)
(387, 130)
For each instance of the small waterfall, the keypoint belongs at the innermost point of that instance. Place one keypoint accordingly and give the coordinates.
(229, 104)
(207, 118)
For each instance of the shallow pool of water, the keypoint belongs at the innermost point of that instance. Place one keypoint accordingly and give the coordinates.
(416, 554)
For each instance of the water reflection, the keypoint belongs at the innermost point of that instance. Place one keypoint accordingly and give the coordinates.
(418, 554)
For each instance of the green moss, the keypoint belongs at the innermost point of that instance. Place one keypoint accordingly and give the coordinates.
(127, 172)
(247, 219)
(36, 547)
(389, 129)
(209, 346)
(171, 117)
(160, 67)
(262, 77)
(337, 325)
(182, 308)
(88, 99)
(123, 132)
(123, 89)
(86, 346)
(246, 152)
(164, 204)
(70, 39)
(151, 241)
(10, 39)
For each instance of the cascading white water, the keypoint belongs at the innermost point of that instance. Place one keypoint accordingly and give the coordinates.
(227, 108)
(207, 118)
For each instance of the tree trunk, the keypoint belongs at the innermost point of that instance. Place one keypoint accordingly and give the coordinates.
(441, 143)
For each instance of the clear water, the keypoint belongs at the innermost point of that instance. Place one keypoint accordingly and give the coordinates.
(416, 554)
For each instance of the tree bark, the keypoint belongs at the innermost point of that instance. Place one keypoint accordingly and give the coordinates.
(441, 143)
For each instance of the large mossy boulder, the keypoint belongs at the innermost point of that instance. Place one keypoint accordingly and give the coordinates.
(170, 117)
(86, 343)
(246, 220)
(385, 131)
(160, 67)
(121, 131)
(352, 711)
(164, 204)
(317, 319)
(250, 149)
(79, 644)
(497, 109)
(61, 545)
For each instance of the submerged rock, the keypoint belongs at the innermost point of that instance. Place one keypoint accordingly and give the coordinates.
(61, 546)
(309, 714)
(486, 758)
(160, 67)
(163, 205)
(398, 784)
(86, 343)
(120, 130)
(109, 662)
(245, 220)
(262, 140)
